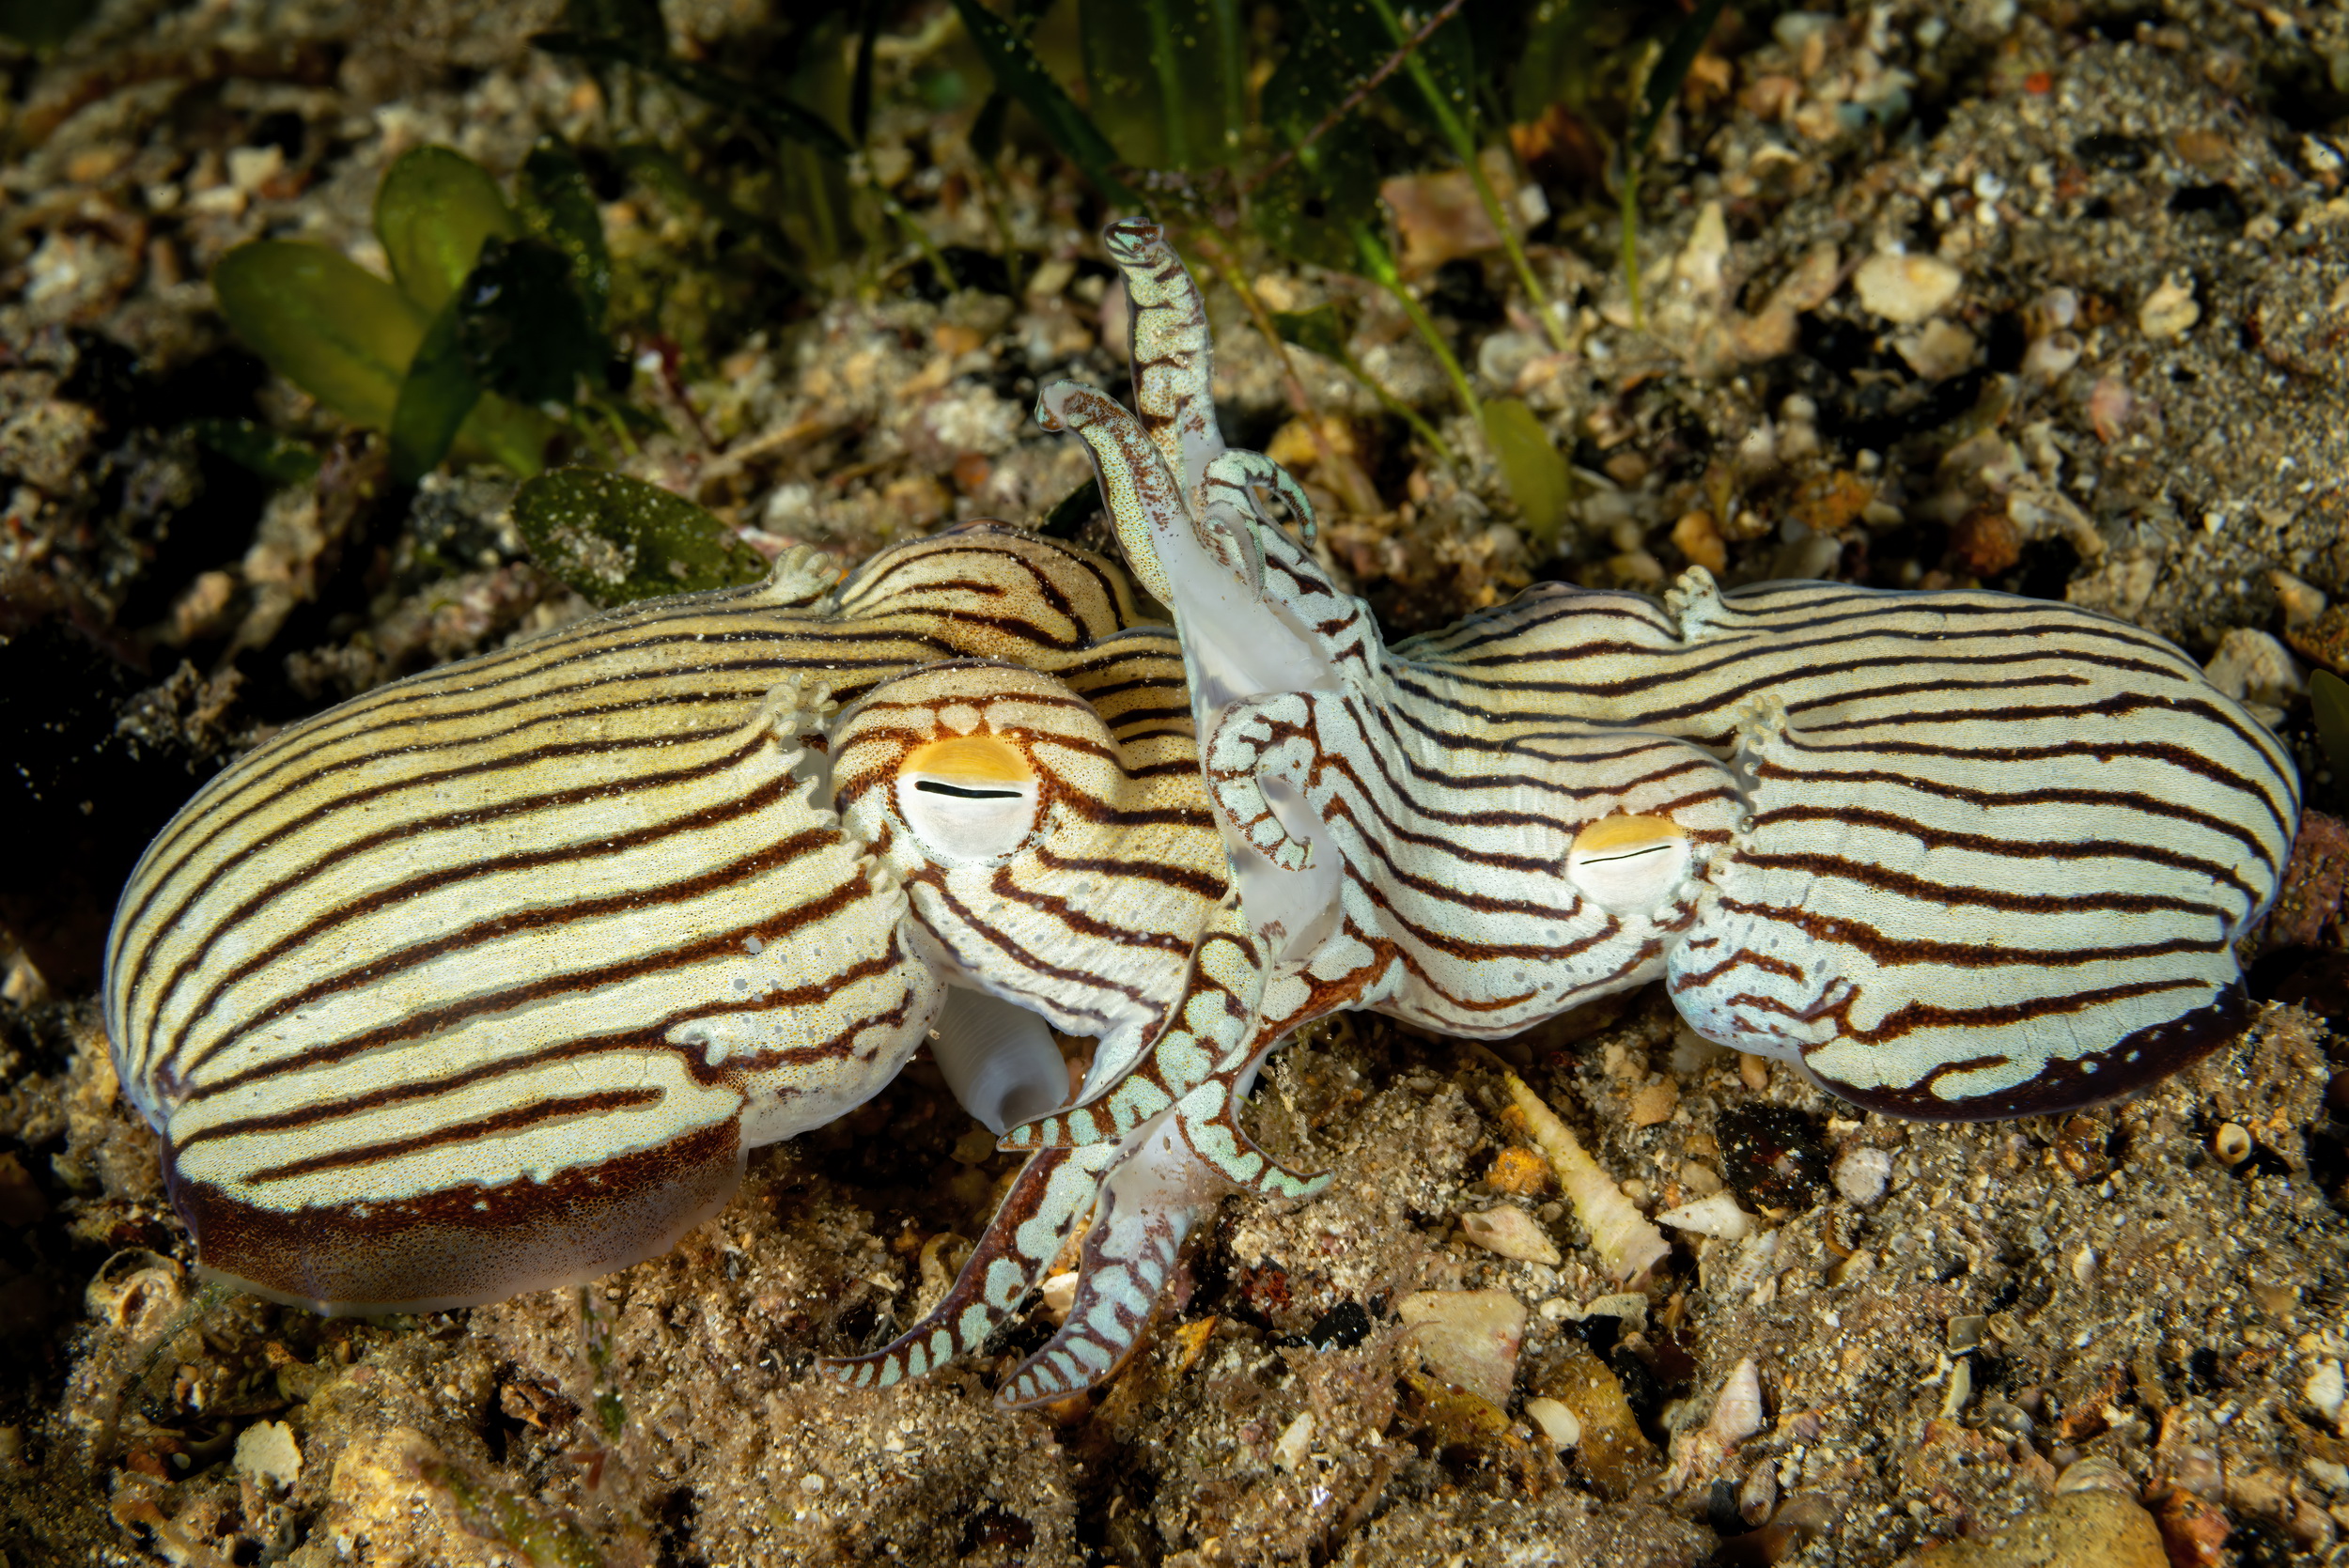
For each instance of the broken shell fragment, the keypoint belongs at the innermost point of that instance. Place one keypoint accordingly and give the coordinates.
(1512, 1233)
(1558, 1423)
(1716, 1215)
(1468, 1338)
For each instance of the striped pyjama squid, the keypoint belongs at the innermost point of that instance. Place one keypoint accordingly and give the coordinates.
(1952, 854)
(487, 980)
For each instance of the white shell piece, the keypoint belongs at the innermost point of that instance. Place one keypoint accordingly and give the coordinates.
(1561, 1426)
(1716, 1216)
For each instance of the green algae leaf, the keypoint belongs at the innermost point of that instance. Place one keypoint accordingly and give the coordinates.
(2328, 694)
(1537, 475)
(522, 330)
(558, 207)
(433, 211)
(281, 459)
(544, 1539)
(1166, 79)
(439, 391)
(1308, 207)
(322, 322)
(1019, 73)
(615, 538)
(1067, 517)
(347, 337)
(42, 24)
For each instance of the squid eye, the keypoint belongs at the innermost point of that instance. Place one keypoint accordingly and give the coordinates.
(1628, 864)
(968, 798)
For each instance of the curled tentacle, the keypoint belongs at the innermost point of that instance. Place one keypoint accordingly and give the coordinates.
(1208, 1119)
(1233, 478)
(1158, 1193)
(1051, 1193)
(1258, 740)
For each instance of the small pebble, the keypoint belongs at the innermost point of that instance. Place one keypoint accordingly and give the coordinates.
(1467, 1337)
(1695, 536)
(1716, 1215)
(1938, 350)
(2091, 1529)
(2301, 602)
(1861, 1174)
(1295, 1443)
(1905, 288)
(2328, 1390)
(266, 1451)
(2251, 665)
(2049, 357)
(2170, 311)
(1655, 1103)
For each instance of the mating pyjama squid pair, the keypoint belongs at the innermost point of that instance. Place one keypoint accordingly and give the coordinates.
(488, 979)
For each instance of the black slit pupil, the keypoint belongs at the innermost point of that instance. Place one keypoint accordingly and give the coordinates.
(934, 787)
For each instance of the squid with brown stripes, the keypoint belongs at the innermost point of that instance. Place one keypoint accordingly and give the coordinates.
(1952, 855)
(487, 980)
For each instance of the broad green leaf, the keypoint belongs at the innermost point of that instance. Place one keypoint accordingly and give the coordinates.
(520, 330)
(326, 323)
(1154, 69)
(615, 538)
(346, 337)
(279, 459)
(438, 393)
(778, 117)
(861, 79)
(2328, 694)
(1436, 86)
(1068, 516)
(1308, 208)
(1326, 329)
(1534, 472)
(432, 212)
(558, 207)
(1019, 73)
(987, 128)
(1557, 54)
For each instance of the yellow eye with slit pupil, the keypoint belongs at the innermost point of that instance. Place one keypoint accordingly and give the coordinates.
(1630, 863)
(968, 797)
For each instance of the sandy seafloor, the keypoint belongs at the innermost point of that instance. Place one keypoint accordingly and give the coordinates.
(2119, 1334)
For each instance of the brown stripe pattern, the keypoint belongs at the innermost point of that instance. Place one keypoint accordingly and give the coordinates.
(520, 955)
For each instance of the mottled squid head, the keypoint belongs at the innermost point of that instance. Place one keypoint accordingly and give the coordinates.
(1050, 860)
